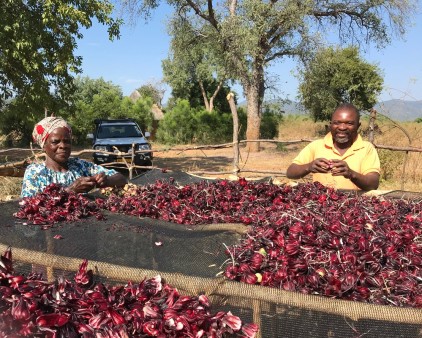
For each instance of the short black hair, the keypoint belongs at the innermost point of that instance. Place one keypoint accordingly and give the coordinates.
(348, 106)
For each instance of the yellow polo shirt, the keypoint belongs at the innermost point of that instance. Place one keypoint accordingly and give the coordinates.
(361, 157)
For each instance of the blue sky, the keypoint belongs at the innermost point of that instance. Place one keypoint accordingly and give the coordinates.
(135, 59)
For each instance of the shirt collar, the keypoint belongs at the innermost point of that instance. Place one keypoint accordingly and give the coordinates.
(358, 144)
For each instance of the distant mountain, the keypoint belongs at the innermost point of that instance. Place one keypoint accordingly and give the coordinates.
(398, 110)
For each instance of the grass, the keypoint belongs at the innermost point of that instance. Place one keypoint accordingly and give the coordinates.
(10, 187)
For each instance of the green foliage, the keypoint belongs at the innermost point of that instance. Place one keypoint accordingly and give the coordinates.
(281, 147)
(269, 125)
(139, 110)
(97, 98)
(177, 126)
(183, 124)
(93, 98)
(338, 75)
(271, 119)
(17, 123)
(212, 128)
(419, 120)
(37, 44)
(193, 65)
(18, 117)
(152, 92)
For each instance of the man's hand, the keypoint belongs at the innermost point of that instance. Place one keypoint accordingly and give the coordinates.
(320, 165)
(370, 181)
(341, 168)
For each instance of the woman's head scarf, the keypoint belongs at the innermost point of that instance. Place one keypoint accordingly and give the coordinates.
(44, 128)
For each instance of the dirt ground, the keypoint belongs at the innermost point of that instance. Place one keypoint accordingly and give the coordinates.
(270, 161)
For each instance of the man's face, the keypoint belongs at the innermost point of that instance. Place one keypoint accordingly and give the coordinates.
(58, 145)
(344, 126)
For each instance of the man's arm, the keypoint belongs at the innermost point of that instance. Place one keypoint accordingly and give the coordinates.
(369, 181)
(366, 182)
(296, 171)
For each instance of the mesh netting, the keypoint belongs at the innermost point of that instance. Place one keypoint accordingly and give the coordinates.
(124, 248)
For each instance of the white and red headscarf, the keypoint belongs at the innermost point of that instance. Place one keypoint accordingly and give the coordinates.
(44, 128)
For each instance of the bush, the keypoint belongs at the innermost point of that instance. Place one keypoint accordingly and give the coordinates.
(269, 125)
(183, 124)
(178, 125)
(212, 127)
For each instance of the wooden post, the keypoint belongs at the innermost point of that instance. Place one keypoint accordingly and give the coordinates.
(230, 98)
(372, 119)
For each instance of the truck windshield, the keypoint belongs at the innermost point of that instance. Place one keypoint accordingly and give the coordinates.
(118, 131)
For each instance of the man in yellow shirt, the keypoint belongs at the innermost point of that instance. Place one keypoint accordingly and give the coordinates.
(341, 159)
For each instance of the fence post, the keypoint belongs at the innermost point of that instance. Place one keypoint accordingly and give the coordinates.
(230, 98)
(372, 119)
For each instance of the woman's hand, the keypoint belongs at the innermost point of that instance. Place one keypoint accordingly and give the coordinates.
(101, 180)
(83, 184)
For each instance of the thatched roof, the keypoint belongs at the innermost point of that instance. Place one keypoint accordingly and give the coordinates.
(134, 96)
(157, 112)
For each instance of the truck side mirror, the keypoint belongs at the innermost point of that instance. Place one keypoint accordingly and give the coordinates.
(90, 136)
(147, 134)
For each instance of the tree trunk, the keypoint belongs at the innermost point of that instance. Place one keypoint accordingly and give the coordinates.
(254, 97)
(215, 95)
(204, 96)
(236, 152)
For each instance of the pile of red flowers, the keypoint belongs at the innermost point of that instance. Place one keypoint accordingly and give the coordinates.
(32, 307)
(308, 238)
(319, 241)
(55, 204)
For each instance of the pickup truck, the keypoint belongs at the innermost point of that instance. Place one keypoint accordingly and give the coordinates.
(121, 137)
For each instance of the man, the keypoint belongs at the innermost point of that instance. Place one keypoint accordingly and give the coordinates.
(341, 159)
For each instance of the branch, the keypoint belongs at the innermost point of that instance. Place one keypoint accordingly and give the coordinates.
(215, 93)
(290, 52)
(210, 17)
(414, 149)
(232, 7)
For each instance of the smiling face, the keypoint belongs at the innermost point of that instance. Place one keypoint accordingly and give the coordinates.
(344, 126)
(58, 146)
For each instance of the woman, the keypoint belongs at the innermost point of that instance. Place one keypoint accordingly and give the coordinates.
(54, 136)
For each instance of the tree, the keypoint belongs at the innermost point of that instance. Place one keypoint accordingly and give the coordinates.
(37, 44)
(192, 70)
(92, 99)
(154, 91)
(184, 124)
(337, 75)
(18, 117)
(251, 34)
(140, 110)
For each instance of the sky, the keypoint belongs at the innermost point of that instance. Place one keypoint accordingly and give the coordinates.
(135, 59)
